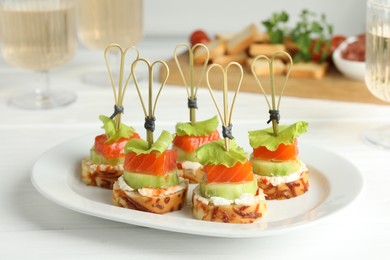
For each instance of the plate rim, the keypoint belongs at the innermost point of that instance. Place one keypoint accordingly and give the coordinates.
(34, 177)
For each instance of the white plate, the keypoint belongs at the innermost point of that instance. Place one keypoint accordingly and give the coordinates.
(334, 183)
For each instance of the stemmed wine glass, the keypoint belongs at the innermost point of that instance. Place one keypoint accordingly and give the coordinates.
(378, 62)
(104, 22)
(38, 35)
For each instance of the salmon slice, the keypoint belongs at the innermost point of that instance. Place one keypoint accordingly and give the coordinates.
(152, 163)
(240, 172)
(282, 153)
(189, 143)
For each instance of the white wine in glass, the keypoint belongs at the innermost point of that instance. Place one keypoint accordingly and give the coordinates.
(38, 35)
(104, 22)
(378, 62)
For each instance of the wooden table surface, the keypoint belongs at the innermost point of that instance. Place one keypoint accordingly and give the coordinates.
(334, 86)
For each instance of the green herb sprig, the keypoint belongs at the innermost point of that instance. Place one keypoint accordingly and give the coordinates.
(307, 29)
(276, 27)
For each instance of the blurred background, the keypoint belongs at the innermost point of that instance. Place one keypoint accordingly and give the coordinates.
(180, 17)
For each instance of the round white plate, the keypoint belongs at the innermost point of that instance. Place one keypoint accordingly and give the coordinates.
(334, 183)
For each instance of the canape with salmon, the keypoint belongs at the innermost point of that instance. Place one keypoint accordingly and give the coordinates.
(276, 162)
(228, 192)
(275, 158)
(106, 157)
(150, 181)
(190, 136)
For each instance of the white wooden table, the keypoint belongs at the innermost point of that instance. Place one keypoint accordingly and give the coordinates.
(33, 227)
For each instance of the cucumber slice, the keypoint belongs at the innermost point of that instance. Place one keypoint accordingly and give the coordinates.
(230, 191)
(183, 156)
(268, 168)
(140, 180)
(100, 159)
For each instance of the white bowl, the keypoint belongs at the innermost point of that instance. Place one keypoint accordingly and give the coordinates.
(351, 69)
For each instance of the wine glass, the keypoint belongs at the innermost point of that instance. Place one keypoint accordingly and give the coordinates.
(38, 35)
(104, 22)
(377, 76)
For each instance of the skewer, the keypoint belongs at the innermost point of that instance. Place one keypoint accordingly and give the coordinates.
(273, 107)
(119, 95)
(149, 112)
(226, 116)
(192, 89)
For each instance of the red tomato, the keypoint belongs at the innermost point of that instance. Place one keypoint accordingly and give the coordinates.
(151, 163)
(112, 149)
(190, 143)
(220, 173)
(282, 153)
(199, 36)
(336, 41)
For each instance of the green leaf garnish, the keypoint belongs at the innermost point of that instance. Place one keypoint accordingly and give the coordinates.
(140, 146)
(200, 128)
(113, 135)
(214, 153)
(286, 135)
(275, 28)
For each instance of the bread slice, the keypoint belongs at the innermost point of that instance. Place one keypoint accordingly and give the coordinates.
(265, 49)
(204, 209)
(216, 48)
(261, 67)
(242, 40)
(161, 204)
(225, 59)
(191, 174)
(309, 70)
(285, 190)
(261, 37)
(102, 176)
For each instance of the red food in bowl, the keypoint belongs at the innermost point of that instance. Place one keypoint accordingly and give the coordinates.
(356, 51)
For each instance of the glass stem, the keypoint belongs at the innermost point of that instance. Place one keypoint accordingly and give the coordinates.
(42, 89)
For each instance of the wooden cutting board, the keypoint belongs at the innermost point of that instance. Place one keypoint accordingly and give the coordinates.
(333, 86)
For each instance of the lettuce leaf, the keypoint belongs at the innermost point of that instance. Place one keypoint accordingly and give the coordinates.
(286, 135)
(140, 146)
(200, 128)
(113, 135)
(214, 153)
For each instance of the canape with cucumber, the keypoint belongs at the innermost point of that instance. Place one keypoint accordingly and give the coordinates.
(276, 162)
(150, 181)
(106, 157)
(275, 158)
(105, 163)
(193, 134)
(190, 136)
(228, 191)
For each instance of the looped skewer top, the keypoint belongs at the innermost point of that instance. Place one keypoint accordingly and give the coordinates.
(273, 107)
(226, 117)
(120, 93)
(149, 112)
(192, 89)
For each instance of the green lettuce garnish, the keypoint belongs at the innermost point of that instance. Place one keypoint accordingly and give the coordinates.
(214, 153)
(286, 135)
(113, 135)
(140, 146)
(200, 128)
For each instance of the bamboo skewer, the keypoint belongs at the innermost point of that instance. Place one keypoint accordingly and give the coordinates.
(150, 111)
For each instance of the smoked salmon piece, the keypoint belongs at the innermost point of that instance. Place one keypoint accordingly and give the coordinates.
(152, 163)
(190, 143)
(240, 172)
(282, 153)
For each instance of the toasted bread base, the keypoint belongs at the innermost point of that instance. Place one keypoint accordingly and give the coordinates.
(285, 190)
(158, 205)
(193, 176)
(239, 214)
(103, 179)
